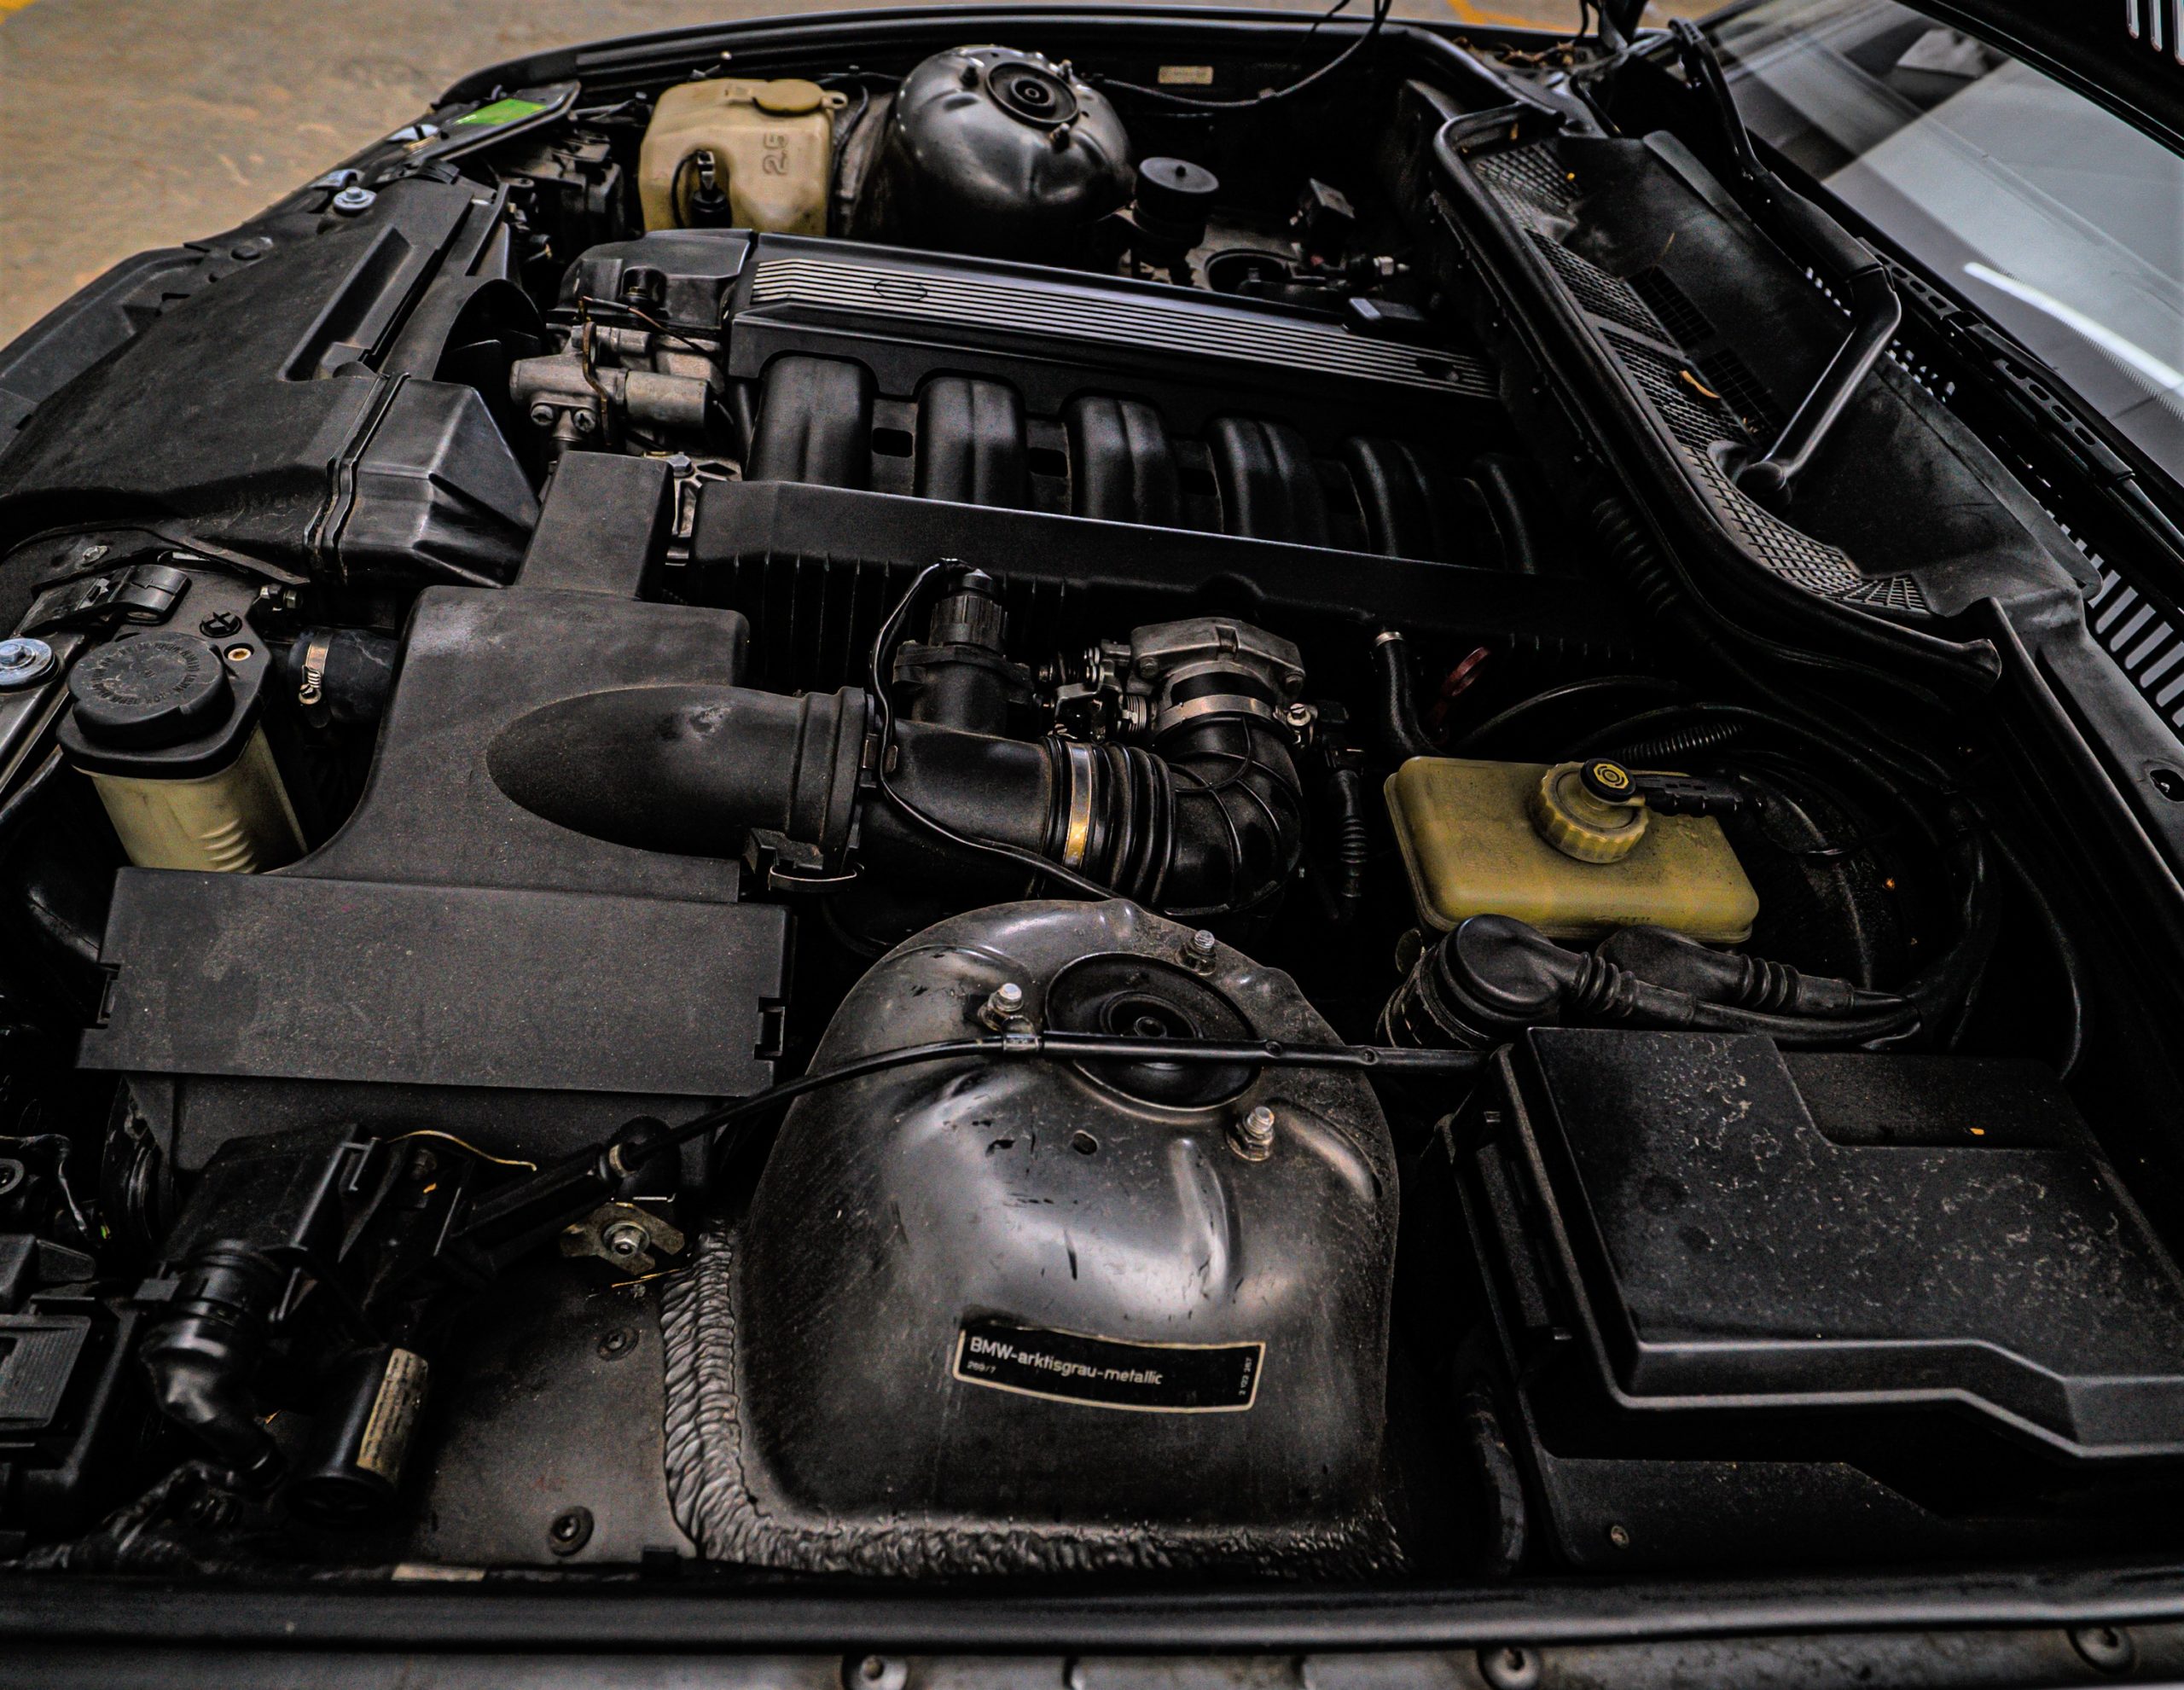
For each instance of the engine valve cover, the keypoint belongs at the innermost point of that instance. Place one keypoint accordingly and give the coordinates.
(1021, 1315)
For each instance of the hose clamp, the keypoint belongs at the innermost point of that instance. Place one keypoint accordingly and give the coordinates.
(1076, 837)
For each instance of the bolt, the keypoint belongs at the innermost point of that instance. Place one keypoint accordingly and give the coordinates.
(570, 1531)
(624, 1240)
(618, 1341)
(1299, 715)
(1618, 1536)
(93, 553)
(24, 662)
(1200, 951)
(1003, 1005)
(584, 422)
(220, 623)
(1251, 1135)
(2106, 1648)
(542, 414)
(351, 201)
(238, 653)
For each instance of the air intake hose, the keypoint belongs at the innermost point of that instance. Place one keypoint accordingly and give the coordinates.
(1209, 821)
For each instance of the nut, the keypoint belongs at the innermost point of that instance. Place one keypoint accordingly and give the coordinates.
(624, 1240)
(1251, 1135)
(1003, 1007)
(351, 201)
(1200, 950)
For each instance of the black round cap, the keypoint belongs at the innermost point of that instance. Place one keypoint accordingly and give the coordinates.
(1175, 190)
(1174, 197)
(151, 692)
(1608, 782)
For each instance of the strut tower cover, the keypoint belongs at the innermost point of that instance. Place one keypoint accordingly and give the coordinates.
(1016, 1315)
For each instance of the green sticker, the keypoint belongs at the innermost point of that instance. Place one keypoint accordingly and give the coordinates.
(501, 111)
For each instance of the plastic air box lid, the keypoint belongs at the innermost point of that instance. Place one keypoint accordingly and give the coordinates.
(1848, 1231)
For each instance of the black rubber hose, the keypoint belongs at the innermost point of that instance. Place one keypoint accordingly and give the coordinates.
(1211, 822)
(1681, 743)
(1494, 977)
(1349, 841)
(1497, 475)
(1394, 715)
(1668, 959)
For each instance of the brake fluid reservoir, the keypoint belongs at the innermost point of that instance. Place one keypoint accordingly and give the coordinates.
(1509, 838)
(772, 149)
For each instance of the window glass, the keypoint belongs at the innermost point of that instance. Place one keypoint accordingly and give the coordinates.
(2054, 217)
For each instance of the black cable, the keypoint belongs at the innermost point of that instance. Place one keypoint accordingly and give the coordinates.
(1381, 8)
(1080, 1047)
(1523, 707)
(884, 711)
(2066, 954)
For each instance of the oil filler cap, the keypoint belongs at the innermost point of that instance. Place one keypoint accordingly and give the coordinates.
(1593, 812)
(151, 692)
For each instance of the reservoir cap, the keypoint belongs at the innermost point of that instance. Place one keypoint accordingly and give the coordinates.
(788, 97)
(150, 691)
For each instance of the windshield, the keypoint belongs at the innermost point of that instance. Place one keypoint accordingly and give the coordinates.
(2058, 220)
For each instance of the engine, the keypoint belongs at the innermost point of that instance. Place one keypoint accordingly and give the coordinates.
(800, 846)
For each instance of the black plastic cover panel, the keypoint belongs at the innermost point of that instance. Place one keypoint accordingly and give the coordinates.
(280, 976)
(1860, 1231)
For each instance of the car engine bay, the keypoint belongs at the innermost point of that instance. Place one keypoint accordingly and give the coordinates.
(962, 811)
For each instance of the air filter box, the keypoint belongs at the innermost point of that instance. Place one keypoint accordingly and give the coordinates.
(1818, 1306)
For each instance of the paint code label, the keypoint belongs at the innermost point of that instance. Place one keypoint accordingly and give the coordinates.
(1070, 1366)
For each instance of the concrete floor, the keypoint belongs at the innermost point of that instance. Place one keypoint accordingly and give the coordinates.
(131, 124)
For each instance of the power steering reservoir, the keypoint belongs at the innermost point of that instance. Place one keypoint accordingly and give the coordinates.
(167, 726)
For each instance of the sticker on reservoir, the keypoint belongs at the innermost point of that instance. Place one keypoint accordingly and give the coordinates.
(1070, 1366)
(501, 111)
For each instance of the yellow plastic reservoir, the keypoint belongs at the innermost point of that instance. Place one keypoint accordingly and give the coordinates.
(772, 145)
(236, 821)
(1474, 844)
